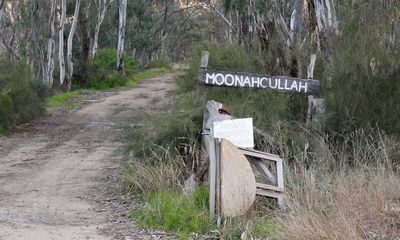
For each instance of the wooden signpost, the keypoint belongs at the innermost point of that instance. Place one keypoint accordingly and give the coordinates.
(217, 126)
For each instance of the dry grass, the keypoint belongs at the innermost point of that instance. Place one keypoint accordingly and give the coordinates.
(353, 193)
(164, 169)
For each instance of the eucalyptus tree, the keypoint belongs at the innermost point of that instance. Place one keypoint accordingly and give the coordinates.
(121, 35)
(61, 58)
(70, 64)
(51, 45)
(102, 6)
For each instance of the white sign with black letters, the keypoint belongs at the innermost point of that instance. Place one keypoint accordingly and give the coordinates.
(238, 131)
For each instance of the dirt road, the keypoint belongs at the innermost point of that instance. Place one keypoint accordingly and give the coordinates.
(57, 175)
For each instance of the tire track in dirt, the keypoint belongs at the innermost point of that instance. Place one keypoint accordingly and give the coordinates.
(56, 174)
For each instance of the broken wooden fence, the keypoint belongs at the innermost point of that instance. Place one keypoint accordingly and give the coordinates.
(231, 182)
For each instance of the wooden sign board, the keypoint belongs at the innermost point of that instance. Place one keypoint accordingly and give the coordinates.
(249, 80)
(238, 131)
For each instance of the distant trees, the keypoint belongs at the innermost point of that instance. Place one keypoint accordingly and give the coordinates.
(44, 33)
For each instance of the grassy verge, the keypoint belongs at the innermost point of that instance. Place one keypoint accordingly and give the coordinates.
(145, 75)
(58, 100)
(173, 212)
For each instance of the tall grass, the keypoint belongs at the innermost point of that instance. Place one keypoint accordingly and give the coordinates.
(352, 193)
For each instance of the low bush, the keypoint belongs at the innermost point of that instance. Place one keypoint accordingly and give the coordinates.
(102, 73)
(7, 117)
(174, 213)
(21, 97)
(159, 63)
(145, 75)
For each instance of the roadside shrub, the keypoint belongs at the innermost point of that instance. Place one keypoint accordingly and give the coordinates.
(102, 73)
(7, 117)
(159, 63)
(21, 98)
(366, 80)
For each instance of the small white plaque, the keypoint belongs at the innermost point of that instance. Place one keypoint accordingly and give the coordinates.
(238, 131)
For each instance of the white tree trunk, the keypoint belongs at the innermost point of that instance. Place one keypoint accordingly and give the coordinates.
(327, 27)
(61, 42)
(121, 35)
(70, 69)
(51, 45)
(326, 16)
(296, 24)
(102, 6)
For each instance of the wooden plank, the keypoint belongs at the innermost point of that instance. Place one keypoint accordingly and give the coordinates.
(272, 194)
(279, 174)
(262, 168)
(259, 154)
(267, 193)
(269, 187)
(250, 80)
(218, 146)
(316, 114)
(212, 176)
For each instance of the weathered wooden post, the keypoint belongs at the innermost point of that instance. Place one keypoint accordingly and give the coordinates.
(203, 66)
(316, 106)
(211, 114)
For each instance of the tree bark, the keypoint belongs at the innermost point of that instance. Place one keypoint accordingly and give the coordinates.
(327, 28)
(2, 2)
(61, 59)
(51, 45)
(70, 69)
(84, 33)
(102, 6)
(121, 35)
(38, 54)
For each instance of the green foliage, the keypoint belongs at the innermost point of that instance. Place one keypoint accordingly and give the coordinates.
(59, 99)
(366, 80)
(21, 100)
(102, 73)
(265, 228)
(72, 106)
(6, 112)
(264, 106)
(159, 63)
(201, 197)
(174, 213)
(145, 75)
